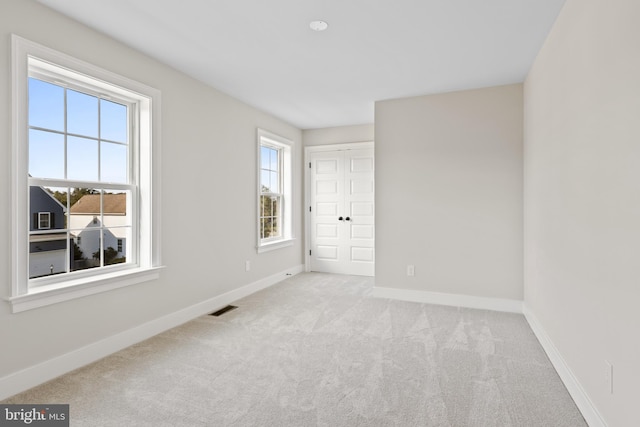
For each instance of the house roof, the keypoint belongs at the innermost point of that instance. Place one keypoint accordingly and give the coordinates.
(48, 237)
(49, 193)
(89, 204)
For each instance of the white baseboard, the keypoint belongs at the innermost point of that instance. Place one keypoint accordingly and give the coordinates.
(456, 300)
(577, 392)
(34, 375)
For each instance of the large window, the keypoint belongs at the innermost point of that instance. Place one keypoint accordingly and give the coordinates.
(83, 153)
(81, 146)
(274, 191)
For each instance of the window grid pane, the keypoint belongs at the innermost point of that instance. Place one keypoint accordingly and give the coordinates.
(46, 154)
(113, 121)
(82, 114)
(82, 159)
(46, 105)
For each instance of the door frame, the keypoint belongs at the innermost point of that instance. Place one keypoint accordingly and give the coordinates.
(307, 187)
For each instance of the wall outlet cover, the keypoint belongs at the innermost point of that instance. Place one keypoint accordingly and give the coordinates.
(411, 271)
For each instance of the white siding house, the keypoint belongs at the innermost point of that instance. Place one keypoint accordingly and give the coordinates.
(90, 218)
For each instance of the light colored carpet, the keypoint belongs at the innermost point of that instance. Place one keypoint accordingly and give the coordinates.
(316, 349)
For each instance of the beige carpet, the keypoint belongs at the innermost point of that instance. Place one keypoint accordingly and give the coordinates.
(316, 349)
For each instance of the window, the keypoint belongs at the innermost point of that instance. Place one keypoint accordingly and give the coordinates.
(44, 220)
(274, 191)
(271, 194)
(83, 148)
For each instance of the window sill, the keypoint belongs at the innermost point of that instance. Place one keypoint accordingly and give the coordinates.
(266, 247)
(47, 295)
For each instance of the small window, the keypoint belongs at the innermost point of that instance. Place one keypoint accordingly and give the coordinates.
(270, 192)
(44, 220)
(119, 245)
(274, 191)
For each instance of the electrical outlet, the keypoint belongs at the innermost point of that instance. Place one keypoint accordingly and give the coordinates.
(247, 265)
(608, 375)
(411, 271)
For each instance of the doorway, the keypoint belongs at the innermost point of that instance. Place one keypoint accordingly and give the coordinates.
(341, 209)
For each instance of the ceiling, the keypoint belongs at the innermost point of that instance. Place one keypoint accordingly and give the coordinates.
(264, 53)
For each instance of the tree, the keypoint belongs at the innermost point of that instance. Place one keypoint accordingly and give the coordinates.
(77, 252)
(269, 214)
(76, 194)
(110, 255)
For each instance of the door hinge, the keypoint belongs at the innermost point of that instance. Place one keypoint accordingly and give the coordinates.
(309, 165)
(309, 208)
(309, 252)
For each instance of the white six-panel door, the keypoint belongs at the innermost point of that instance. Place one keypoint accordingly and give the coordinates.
(342, 211)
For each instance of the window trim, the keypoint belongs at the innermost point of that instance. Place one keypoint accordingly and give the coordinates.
(286, 156)
(149, 261)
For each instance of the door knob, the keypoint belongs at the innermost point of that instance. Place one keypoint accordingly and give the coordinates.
(348, 219)
(340, 218)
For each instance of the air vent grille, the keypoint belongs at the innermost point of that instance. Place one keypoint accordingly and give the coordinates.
(223, 310)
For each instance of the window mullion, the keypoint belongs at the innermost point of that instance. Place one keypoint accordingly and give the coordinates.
(45, 182)
(101, 228)
(99, 141)
(62, 132)
(66, 154)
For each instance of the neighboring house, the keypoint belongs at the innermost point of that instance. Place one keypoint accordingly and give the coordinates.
(85, 223)
(47, 247)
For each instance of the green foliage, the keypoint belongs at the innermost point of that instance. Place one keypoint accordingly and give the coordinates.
(77, 252)
(269, 216)
(76, 194)
(110, 255)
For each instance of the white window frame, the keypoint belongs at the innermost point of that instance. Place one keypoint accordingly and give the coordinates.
(25, 56)
(42, 215)
(277, 193)
(286, 149)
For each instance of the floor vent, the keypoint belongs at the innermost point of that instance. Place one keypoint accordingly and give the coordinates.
(223, 310)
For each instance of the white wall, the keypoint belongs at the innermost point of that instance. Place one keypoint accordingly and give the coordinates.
(208, 197)
(83, 226)
(582, 198)
(338, 135)
(449, 192)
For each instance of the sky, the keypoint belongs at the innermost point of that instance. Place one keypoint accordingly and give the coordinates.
(97, 150)
(269, 169)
